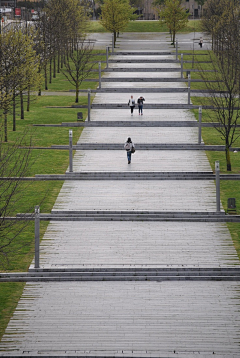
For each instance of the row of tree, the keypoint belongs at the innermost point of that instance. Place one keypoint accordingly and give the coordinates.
(222, 22)
(31, 55)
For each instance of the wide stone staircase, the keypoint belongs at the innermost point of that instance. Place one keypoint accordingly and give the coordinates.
(136, 262)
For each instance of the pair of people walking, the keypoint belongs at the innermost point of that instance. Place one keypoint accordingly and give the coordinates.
(140, 101)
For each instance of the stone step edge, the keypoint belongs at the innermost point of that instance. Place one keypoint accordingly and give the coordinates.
(130, 124)
(142, 146)
(123, 176)
(126, 276)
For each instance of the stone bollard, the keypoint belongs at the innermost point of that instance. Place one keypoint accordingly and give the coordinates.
(99, 72)
(106, 56)
(176, 49)
(181, 65)
(217, 174)
(89, 104)
(37, 235)
(200, 125)
(112, 43)
(70, 151)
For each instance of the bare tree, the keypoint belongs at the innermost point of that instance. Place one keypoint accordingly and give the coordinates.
(77, 64)
(224, 90)
(14, 164)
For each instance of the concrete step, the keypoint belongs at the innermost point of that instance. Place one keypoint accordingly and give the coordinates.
(111, 274)
(146, 106)
(134, 123)
(144, 146)
(146, 60)
(145, 90)
(126, 176)
(133, 216)
(143, 53)
(129, 176)
(153, 90)
(169, 69)
(144, 79)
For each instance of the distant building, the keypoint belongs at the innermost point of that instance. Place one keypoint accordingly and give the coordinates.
(149, 12)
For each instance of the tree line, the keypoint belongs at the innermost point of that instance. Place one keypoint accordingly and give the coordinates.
(222, 22)
(32, 56)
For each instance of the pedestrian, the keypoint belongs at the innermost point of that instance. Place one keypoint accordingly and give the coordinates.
(131, 104)
(140, 105)
(130, 148)
(201, 42)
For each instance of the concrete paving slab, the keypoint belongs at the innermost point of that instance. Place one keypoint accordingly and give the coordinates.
(138, 195)
(165, 98)
(142, 161)
(148, 114)
(139, 134)
(140, 244)
(125, 319)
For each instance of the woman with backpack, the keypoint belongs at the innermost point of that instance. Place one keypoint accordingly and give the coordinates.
(129, 146)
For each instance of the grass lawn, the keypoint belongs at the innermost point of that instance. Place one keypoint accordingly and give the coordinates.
(229, 189)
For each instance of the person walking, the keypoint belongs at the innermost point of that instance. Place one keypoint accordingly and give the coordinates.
(131, 104)
(201, 42)
(130, 148)
(140, 105)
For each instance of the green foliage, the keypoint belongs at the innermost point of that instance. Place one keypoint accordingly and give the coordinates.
(174, 16)
(19, 69)
(116, 15)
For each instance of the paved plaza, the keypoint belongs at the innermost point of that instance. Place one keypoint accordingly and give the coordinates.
(120, 318)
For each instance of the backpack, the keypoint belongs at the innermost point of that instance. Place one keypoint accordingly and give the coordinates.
(127, 146)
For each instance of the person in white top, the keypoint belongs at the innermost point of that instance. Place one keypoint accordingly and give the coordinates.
(131, 104)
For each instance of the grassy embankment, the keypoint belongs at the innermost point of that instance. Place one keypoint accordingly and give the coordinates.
(47, 161)
(43, 161)
(229, 188)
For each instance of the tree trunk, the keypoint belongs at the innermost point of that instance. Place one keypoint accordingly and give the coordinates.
(45, 76)
(54, 66)
(58, 64)
(228, 159)
(22, 108)
(14, 112)
(77, 90)
(28, 100)
(114, 36)
(5, 126)
(173, 38)
(50, 71)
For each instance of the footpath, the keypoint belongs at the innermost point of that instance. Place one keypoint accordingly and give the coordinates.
(118, 283)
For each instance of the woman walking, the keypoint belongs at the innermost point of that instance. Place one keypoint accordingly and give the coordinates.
(140, 105)
(131, 104)
(129, 146)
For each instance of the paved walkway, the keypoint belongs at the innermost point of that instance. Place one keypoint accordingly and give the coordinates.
(137, 319)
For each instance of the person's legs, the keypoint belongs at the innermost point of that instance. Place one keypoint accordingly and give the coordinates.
(141, 108)
(132, 109)
(129, 156)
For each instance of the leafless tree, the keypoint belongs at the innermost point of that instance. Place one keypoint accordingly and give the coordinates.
(224, 91)
(14, 165)
(78, 64)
